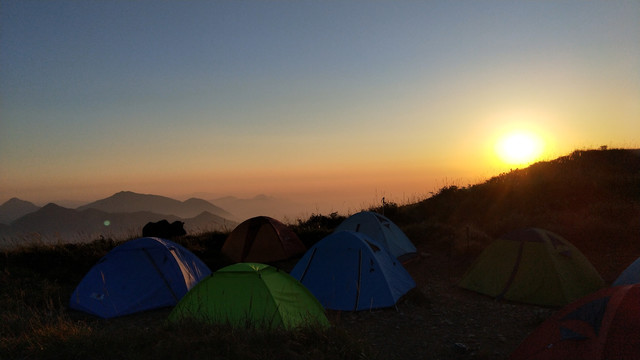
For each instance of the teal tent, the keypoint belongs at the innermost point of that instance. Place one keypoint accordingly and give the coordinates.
(384, 231)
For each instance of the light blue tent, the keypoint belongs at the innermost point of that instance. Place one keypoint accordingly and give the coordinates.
(630, 276)
(141, 274)
(350, 271)
(381, 229)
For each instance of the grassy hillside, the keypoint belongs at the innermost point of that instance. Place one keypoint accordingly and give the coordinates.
(592, 198)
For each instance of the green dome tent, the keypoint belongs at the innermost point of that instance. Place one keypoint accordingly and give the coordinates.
(533, 266)
(254, 295)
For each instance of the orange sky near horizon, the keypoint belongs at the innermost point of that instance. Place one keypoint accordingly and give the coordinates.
(334, 105)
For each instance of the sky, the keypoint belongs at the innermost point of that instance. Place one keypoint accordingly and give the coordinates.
(332, 103)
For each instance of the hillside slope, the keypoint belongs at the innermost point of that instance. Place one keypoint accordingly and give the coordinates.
(590, 197)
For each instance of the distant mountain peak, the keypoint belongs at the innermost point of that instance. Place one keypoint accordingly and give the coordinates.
(195, 200)
(52, 206)
(15, 201)
(121, 194)
(129, 201)
(15, 208)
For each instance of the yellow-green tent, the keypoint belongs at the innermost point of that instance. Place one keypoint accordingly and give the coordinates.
(251, 295)
(533, 266)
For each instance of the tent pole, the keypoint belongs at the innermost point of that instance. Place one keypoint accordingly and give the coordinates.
(164, 279)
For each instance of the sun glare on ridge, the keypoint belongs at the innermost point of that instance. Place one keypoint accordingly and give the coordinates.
(519, 148)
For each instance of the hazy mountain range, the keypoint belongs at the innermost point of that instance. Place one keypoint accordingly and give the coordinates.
(127, 202)
(261, 205)
(123, 215)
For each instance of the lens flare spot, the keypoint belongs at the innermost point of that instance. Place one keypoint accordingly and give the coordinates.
(107, 223)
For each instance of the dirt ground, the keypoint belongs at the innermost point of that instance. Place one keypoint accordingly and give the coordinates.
(439, 320)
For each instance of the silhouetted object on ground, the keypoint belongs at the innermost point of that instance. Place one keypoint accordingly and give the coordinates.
(262, 239)
(602, 325)
(163, 229)
(139, 275)
(533, 266)
(381, 229)
(251, 295)
(350, 271)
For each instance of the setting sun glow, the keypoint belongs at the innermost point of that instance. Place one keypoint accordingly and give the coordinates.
(519, 148)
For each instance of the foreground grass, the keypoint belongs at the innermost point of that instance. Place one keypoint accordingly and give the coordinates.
(36, 323)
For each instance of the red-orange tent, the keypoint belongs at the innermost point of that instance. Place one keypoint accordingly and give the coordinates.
(262, 239)
(602, 325)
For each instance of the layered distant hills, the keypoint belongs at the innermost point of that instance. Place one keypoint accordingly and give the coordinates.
(571, 195)
(119, 216)
(124, 214)
(128, 202)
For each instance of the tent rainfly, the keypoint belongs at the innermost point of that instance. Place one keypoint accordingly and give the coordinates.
(630, 275)
(602, 325)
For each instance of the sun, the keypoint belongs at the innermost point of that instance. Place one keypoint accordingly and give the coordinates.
(519, 148)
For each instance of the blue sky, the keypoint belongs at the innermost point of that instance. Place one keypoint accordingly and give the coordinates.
(332, 102)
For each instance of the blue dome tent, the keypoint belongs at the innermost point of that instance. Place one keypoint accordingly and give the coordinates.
(350, 271)
(141, 274)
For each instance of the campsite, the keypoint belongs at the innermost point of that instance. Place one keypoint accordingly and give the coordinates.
(586, 203)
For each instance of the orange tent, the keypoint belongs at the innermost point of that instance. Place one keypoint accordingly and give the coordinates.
(262, 239)
(602, 325)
